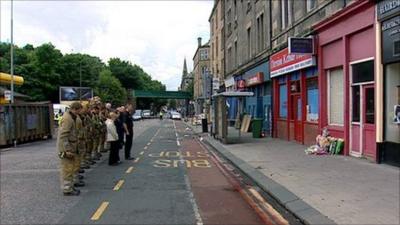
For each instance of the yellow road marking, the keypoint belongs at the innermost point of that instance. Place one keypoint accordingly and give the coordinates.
(129, 170)
(136, 160)
(141, 153)
(118, 185)
(148, 144)
(100, 211)
(145, 147)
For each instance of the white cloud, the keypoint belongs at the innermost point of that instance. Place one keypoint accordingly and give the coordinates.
(156, 35)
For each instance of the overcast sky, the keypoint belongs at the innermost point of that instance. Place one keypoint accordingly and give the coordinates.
(156, 35)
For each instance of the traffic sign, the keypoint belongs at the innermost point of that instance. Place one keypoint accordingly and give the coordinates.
(7, 95)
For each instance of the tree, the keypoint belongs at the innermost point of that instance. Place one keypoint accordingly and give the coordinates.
(109, 89)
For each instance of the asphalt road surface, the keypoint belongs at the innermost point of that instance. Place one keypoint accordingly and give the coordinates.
(175, 179)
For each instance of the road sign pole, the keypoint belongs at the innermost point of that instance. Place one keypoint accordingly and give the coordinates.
(12, 54)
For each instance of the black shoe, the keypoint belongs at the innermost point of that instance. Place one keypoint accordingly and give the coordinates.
(74, 192)
(81, 171)
(96, 158)
(80, 177)
(85, 167)
(79, 184)
(130, 158)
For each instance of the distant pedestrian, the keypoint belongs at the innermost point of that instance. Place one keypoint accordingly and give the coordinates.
(128, 127)
(112, 139)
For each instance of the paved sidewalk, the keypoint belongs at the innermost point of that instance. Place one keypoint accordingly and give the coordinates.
(345, 189)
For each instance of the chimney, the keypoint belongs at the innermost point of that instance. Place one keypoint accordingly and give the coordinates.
(199, 41)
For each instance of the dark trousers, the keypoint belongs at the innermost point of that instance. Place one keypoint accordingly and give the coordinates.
(128, 145)
(114, 152)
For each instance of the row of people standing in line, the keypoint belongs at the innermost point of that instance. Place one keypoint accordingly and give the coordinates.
(82, 136)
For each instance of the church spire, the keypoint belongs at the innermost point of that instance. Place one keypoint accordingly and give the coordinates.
(185, 71)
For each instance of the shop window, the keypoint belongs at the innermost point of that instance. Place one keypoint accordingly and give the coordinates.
(312, 100)
(282, 79)
(392, 103)
(295, 75)
(335, 96)
(363, 72)
(356, 104)
(283, 101)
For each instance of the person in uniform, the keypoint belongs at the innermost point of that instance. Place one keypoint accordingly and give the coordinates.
(67, 141)
(80, 151)
(95, 134)
(89, 140)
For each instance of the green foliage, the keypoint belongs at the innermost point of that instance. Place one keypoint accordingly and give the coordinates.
(109, 88)
(45, 69)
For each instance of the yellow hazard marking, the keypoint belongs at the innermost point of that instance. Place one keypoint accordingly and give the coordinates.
(99, 211)
(118, 185)
(141, 153)
(136, 160)
(148, 144)
(145, 147)
(129, 170)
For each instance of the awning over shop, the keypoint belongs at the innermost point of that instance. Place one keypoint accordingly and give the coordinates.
(235, 94)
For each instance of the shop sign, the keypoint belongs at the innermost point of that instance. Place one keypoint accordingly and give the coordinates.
(240, 85)
(283, 62)
(388, 8)
(298, 45)
(257, 79)
(391, 40)
(215, 83)
(229, 82)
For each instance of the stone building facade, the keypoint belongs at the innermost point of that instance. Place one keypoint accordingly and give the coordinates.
(201, 68)
(216, 21)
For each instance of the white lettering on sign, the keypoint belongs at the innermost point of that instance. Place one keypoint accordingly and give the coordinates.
(388, 6)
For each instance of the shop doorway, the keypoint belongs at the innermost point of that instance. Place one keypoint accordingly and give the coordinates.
(362, 133)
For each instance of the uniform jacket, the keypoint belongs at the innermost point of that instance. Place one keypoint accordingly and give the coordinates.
(67, 139)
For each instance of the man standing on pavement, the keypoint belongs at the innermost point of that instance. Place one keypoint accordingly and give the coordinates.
(128, 127)
(67, 145)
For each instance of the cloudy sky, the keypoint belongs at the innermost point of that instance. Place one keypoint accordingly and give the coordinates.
(156, 35)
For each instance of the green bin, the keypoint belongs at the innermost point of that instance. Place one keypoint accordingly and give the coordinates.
(256, 127)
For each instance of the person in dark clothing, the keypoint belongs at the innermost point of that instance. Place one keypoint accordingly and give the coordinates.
(128, 127)
(120, 128)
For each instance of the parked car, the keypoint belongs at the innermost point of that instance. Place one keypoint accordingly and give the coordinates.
(137, 115)
(176, 116)
(146, 114)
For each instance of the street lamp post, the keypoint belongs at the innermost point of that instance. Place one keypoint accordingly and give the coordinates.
(12, 55)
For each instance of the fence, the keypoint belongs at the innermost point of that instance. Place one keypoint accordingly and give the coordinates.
(24, 122)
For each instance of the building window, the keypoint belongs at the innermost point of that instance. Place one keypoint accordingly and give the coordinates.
(363, 72)
(216, 47)
(284, 13)
(236, 62)
(356, 104)
(204, 54)
(335, 96)
(310, 4)
(260, 32)
(249, 43)
(283, 101)
(229, 59)
(312, 99)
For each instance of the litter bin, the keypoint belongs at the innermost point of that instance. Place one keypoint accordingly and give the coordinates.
(204, 125)
(256, 128)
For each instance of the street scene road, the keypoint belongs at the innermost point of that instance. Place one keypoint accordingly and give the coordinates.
(174, 179)
(209, 112)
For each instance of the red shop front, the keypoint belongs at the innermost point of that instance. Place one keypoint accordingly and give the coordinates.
(346, 58)
(295, 97)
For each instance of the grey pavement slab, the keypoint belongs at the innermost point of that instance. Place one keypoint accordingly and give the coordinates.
(346, 190)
